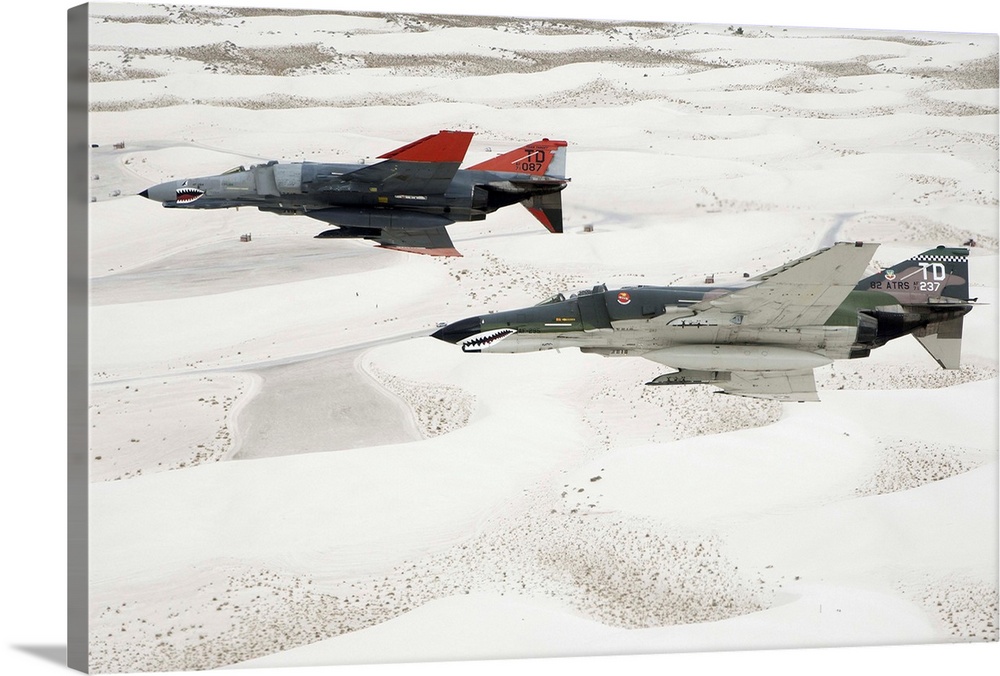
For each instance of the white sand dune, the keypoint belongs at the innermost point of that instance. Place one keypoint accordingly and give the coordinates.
(292, 472)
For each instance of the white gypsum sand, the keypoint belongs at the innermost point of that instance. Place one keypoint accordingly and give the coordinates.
(317, 481)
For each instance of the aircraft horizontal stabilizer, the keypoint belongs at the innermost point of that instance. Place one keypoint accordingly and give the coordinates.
(943, 341)
(547, 209)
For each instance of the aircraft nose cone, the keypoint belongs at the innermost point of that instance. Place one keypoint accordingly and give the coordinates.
(161, 192)
(458, 331)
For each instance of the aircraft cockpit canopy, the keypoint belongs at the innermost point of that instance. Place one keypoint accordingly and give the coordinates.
(560, 297)
(236, 170)
(600, 288)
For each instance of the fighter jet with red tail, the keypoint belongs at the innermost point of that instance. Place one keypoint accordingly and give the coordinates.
(403, 202)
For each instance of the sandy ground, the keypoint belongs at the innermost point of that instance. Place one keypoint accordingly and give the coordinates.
(219, 267)
(323, 404)
(285, 468)
(165, 423)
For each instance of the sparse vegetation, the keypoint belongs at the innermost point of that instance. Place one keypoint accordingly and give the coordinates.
(488, 279)
(617, 570)
(178, 429)
(632, 46)
(850, 376)
(908, 463)
(438, 409)
(966, 607)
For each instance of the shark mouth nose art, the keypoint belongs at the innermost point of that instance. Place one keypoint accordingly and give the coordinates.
(188, 195)
(458, 331)
(484, 340)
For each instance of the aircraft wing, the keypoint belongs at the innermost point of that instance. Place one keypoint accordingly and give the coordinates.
(803, 292)
(792, 385)
(779, 385)
(424, 167)
(432, 241)
(405, 230)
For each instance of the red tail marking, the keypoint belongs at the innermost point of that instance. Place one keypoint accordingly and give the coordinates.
(533, 158)
(445, 146)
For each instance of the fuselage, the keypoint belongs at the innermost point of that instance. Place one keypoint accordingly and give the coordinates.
(302, 187)
(634, 321)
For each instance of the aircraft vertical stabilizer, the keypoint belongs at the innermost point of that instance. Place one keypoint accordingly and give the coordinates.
(541, 158)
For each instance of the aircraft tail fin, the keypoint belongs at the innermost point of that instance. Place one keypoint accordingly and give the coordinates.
(547, 209)
(539, 158)
(937, 275)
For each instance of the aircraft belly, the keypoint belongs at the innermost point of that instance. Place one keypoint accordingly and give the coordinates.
(812, 339)
(745, 348)
(737, 358)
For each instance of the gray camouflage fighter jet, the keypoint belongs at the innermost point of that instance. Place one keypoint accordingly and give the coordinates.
(403, 202)
(759, 338)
